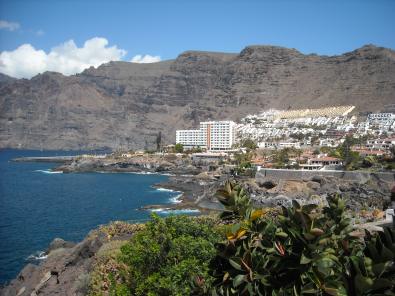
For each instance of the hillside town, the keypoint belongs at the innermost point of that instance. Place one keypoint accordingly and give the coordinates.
(327, 138)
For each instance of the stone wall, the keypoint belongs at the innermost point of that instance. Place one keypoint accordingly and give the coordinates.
(356, 176)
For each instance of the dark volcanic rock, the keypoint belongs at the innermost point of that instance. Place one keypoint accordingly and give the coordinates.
(268, 184)
(64, 272)
(58, 243)
(125, 105)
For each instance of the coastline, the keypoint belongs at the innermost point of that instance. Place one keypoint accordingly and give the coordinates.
(186, 201)
(194, 188)
(178, 201)
(196, 191)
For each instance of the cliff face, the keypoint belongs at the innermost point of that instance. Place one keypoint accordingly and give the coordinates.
(122, 104)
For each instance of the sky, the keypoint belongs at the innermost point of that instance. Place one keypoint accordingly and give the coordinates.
(70, 35)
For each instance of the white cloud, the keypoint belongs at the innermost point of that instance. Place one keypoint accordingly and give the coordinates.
(10, 26)
(66, 58)
(145, 59)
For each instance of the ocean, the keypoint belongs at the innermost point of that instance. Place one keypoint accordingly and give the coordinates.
(37, 205)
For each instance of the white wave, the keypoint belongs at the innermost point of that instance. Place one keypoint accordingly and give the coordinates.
(49, 172)
(165, 189)
(159, 210)
(176, 199)
(143, 173)
(167, 211)
(39, 255)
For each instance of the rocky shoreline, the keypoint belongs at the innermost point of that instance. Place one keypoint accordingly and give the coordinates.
(67, 266)
(65, 270)
(193, 182)
(197, 183)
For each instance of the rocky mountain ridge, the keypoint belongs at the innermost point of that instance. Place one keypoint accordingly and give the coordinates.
(122, 104)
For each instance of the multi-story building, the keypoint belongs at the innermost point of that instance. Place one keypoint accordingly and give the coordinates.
(190, 138)
(381, 116)
(212, 135)
(380, 144)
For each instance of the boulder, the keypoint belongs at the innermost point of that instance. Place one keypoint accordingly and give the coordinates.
(318, 179)
(313, 185)
(58, 243)
(268, 183)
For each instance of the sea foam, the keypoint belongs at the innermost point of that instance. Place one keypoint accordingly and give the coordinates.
(165, 189)
(176, 199)
(48, 172)
(39, 255)
(167, 211)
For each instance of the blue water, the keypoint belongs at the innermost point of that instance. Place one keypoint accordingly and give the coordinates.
(37, 206)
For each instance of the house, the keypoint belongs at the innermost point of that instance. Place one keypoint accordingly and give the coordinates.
(310, 167)
(283, 145)
(380, 144)
(370, 152)
(325, 160)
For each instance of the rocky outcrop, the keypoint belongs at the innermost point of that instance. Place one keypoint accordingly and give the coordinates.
(66, 271)
(371, 194)
(60, 274)
(125, 105)
(58, 243)
(138, 164)
(5, 79)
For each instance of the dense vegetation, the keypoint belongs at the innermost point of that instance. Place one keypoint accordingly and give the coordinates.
(306, 250)
(169, 257)
(301, 250)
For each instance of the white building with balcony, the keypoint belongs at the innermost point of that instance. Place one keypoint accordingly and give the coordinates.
(381, 117)
(212, 135)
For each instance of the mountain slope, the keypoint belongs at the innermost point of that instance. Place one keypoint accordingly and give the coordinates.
(126, 104)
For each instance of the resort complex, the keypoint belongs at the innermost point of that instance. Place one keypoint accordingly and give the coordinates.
(212, 136)
(312, 113)
(324, 127)
(318, 130)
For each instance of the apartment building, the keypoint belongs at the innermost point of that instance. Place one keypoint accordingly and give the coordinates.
(212, 135)
(380, 144)
(381, 116)
(190, 138)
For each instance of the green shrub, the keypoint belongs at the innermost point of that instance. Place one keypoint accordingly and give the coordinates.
(303, 251)
(170, 256)
(107, 271)
(179, 148)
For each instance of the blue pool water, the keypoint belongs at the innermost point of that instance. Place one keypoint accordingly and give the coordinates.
(36, 206)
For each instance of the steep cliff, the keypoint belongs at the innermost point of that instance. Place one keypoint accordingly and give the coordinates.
(123, 104)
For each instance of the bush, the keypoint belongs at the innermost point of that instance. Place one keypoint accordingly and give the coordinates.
(81, 285)
(303, 251)
(179, 148)
(170, 256)
(107, 271)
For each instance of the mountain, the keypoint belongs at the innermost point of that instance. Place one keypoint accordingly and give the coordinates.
(4, 79)
(122, 104)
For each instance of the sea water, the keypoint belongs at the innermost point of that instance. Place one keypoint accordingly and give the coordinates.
(37, 205)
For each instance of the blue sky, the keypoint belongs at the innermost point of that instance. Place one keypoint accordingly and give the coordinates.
(167, 28)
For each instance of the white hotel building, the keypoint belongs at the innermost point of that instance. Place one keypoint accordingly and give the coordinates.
(212, 135)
